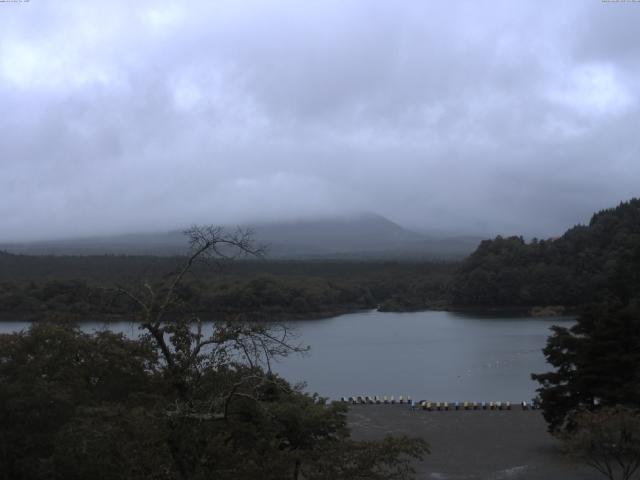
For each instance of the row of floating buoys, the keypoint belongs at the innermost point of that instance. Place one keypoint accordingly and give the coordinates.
(433, 406)
(375, 399)
(430, 406)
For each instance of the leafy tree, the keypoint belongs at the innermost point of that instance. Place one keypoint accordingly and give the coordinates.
(607, 439)
(49, 376)
(597, 362)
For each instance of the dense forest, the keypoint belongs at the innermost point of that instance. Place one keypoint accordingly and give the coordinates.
(75, 287)
(589, 261)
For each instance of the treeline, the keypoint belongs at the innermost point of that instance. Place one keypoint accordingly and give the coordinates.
(260, 295)
(599, 260)
(54, 287)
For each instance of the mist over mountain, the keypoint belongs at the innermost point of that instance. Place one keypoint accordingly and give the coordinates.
(358, 236)
(133, 116)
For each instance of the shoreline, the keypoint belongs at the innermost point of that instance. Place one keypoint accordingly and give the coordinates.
(520, 311)
(72, 317)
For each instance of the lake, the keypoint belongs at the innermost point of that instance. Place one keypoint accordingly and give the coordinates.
(440, 356)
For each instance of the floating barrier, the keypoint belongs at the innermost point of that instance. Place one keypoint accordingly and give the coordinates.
(431, 406)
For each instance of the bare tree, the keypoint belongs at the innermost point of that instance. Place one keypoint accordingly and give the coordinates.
(607, 439)
(185, 349)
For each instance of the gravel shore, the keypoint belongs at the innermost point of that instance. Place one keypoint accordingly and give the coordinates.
(470, 445)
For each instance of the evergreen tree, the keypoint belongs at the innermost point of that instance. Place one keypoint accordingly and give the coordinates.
(597, 363)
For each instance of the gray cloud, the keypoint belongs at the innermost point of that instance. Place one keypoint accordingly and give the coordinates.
(489, 117)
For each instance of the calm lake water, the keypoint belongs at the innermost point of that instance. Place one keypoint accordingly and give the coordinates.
(440, 356)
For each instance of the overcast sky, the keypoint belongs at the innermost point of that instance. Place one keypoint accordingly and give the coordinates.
(478, 117)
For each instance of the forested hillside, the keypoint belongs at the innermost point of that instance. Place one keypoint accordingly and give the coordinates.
(594, 261)
(82, 286)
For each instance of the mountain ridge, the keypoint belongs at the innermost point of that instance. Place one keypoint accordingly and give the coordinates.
(360, 236)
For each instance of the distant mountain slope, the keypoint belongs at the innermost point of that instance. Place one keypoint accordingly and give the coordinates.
(588, 262)
(330, 236)
(364, 236)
